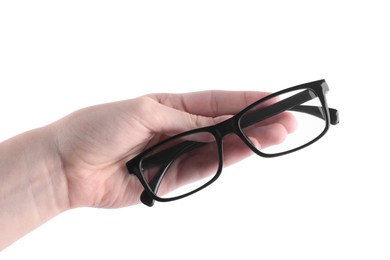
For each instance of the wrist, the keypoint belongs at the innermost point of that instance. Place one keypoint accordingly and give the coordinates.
(33, 187)
(50, 179)
(53, 171)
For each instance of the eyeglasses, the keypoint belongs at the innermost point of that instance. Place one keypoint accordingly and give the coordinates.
(194, 159)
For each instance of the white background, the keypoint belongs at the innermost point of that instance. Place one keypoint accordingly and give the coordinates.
(329, 201)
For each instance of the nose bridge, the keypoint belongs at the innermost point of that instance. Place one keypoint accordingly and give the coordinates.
(227, 127)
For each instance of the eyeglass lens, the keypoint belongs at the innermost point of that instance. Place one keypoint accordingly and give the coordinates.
(188, 162)
(306, 123)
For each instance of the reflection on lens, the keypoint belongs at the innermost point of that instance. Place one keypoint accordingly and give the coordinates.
(265, 124)
(182, 165)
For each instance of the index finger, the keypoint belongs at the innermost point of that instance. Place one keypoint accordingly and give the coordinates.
(211, 103)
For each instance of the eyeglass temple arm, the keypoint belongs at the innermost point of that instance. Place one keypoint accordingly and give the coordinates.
(317, 112)
(313, 111)
(291, 104)
(169, 155)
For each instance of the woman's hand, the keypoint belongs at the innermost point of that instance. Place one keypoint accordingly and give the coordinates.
(80, 159)
(94, 143)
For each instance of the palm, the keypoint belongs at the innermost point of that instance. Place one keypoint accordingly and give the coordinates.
(94, 160)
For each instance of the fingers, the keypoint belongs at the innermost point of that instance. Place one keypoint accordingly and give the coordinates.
(288, 120)
(285, 119)
(201, 162)
(168, 121)
(210, 103)
(160, 118)
(265, 136)
(184, 162)
(175, 113)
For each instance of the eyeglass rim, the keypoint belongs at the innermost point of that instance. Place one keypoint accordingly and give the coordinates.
(148, 197)
(320, 87)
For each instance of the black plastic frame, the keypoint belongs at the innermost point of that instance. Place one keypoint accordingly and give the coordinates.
(232, 126)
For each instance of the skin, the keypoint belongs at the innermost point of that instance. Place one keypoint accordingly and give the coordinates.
(79, 160)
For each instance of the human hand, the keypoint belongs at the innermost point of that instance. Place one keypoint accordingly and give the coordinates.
(94, 143)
